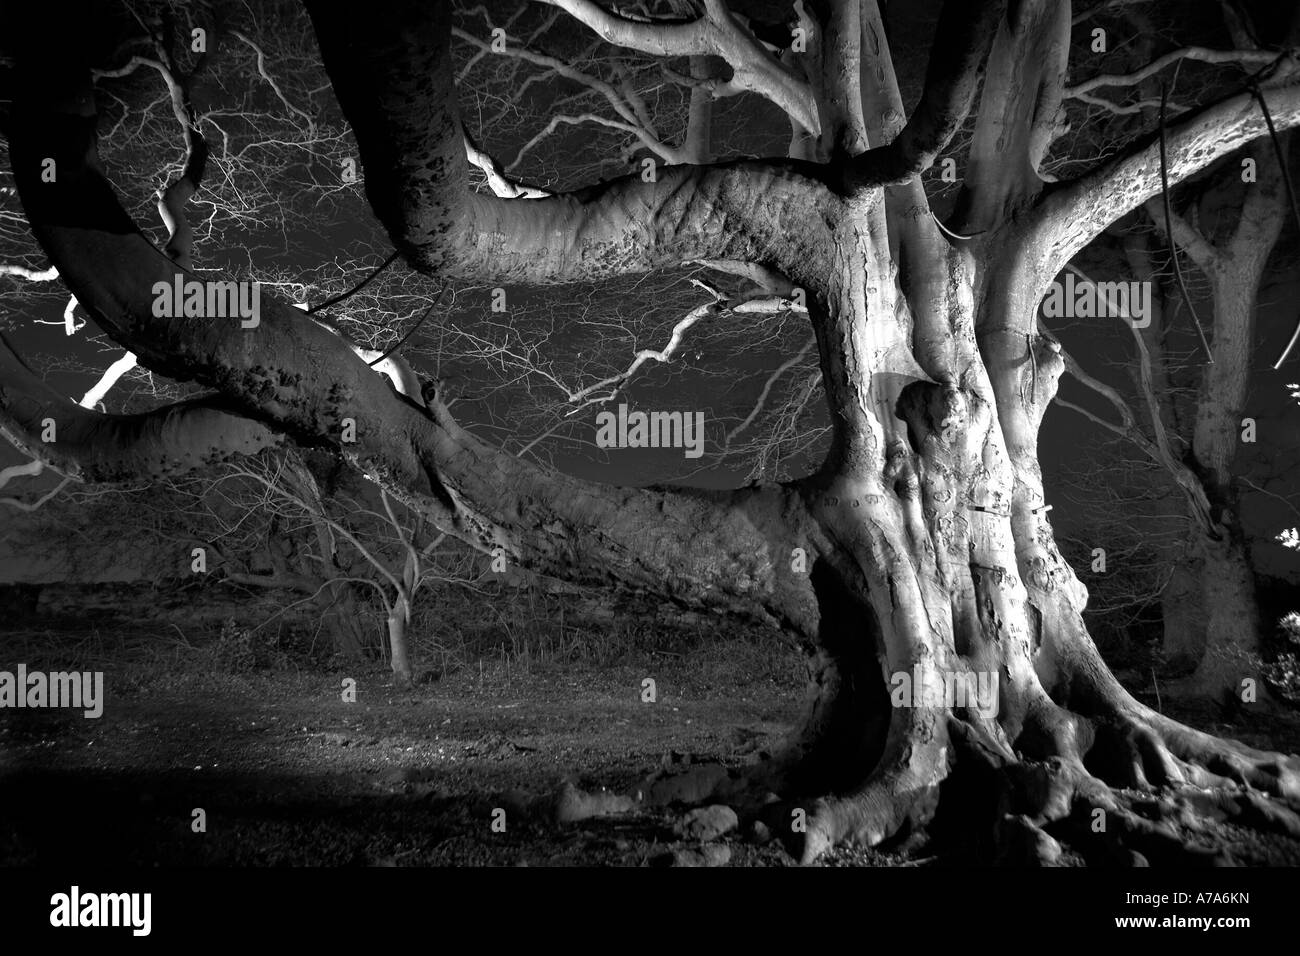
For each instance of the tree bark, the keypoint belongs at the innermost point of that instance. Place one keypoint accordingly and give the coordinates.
(929, 551)
(1232, 624)
(1231, 616)
(1229, 626)
(399, 621)
(337, 606)
(1183, 616)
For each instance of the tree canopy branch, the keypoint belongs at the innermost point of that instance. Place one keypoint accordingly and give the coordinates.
(90, 446)
(961, 46)
(1198, 53)
(1075, 212)
(301, 378)
(416, 178)
(716, 32)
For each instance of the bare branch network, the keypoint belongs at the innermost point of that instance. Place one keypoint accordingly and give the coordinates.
(835, 259)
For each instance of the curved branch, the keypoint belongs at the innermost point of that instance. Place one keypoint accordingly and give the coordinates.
(724, 550)
(1129, 110)
(106, 381)
(610, 387)
(717, 32)
(31, 275)
(957, 57)
(496, 177)
(665, 152)
(1199, 249)
(761, 401)
(30, 469)
(659, 37)
(616, 98)
(1072, 215)
(275, 87)
(30, 506)
(391, 71)
(1158, 450)
(173, 197)
(88, 446)
(1200, 53)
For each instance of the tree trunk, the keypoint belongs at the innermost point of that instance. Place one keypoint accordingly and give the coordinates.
(1182, 610)
(335, 599)
(1231, 615)
(399, 620)
(949, 652)
(944, 573)
(1231, 610)
(338, 608)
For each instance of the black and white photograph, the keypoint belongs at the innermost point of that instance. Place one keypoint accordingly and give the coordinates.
(530, 443)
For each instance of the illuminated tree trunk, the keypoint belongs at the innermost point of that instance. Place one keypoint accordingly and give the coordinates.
(399, 622)
(929, 549)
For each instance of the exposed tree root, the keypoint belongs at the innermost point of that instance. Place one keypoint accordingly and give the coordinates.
(1169, 752)
(1134, 788)
(1131, 789)
(903, 790)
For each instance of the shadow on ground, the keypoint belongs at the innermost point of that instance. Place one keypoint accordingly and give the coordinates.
(286, 772)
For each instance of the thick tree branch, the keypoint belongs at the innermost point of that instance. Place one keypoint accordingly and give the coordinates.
(88, 446)
(1072, 215)
(303, 379)
(1019, 103)
(391, 71)
(31, 469)
(957, 57)
(1199, 249)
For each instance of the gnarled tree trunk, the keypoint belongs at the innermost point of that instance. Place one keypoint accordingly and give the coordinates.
(930, 553)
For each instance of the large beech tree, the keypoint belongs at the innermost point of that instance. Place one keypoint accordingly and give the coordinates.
(928, 544)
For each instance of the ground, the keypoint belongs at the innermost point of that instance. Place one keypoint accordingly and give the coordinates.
(290, 774)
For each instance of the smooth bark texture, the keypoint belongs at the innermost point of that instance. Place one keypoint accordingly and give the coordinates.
(89, 446)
